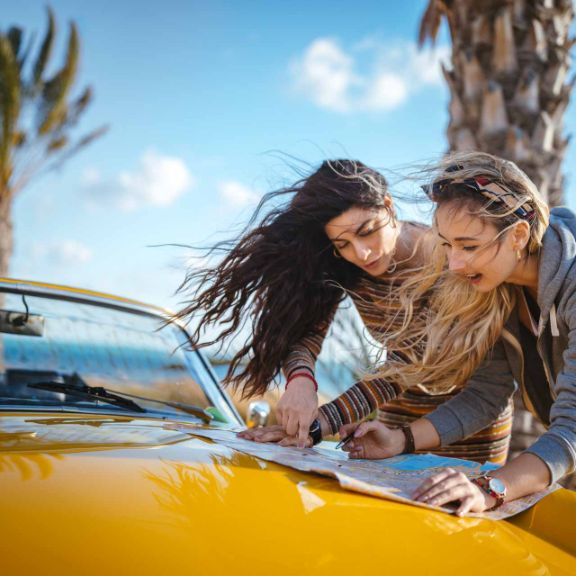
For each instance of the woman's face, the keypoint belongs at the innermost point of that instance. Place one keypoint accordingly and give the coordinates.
(473, 248)
(364, 237)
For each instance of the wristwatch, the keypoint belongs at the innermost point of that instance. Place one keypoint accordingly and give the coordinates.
(315, 432)
(493, 487)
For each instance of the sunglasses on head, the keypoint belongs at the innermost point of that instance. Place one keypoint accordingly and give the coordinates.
(489, 189)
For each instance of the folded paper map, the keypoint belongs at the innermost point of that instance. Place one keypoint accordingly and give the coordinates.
(393, 478)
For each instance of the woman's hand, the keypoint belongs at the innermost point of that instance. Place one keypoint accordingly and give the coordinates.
(276, 434)
(298, 408)
(452, 486)
(372, 440)
(273, 435)
(264, 434)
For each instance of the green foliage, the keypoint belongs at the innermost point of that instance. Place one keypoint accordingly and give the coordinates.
(38, 111)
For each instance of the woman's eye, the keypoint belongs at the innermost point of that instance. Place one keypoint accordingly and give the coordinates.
(341, 246)
(469, 248)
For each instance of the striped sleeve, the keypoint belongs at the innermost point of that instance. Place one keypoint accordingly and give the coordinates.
(303, 355)
(358, 402)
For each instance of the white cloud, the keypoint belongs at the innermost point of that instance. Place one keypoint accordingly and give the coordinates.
(371, 75)
(325, 73)
(236, 194)
(63, 254)
(158, 181)
(385, 92)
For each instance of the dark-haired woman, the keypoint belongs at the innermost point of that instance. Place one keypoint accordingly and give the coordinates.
(338, 234)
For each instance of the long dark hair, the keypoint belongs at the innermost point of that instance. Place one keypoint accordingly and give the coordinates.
(282, 273)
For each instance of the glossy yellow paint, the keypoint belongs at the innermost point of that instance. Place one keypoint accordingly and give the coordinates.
(110, 495)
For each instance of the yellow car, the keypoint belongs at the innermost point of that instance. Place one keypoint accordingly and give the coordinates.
(94, 479)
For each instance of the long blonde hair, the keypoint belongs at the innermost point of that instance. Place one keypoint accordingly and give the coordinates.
(447, 325)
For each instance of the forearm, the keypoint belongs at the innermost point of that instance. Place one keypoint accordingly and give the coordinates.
(524, 475)
(304, 354)
(425, 435)
(301, 358)
(357, 403)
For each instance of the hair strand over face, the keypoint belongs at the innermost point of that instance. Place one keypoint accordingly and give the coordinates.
(448, 326)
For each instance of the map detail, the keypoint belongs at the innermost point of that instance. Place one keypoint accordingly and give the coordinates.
(393, 478)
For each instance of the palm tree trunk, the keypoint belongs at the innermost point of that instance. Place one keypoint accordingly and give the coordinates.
(508, 81)
(6, 233)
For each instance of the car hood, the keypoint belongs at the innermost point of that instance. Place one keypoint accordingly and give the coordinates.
(91, 494)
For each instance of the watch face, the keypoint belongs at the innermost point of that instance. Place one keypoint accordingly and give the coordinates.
(497, 486)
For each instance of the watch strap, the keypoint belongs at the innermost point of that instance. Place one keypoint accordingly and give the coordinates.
(483, 482)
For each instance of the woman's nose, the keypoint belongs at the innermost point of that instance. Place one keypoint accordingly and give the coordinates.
(363, 252)
(455, 262)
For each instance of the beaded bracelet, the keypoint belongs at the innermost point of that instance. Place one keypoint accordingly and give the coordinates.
(303, 375)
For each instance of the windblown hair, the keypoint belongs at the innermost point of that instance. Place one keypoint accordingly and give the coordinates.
(448, 326)
(281, 274)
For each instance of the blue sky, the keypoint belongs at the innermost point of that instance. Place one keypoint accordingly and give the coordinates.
(203, 98)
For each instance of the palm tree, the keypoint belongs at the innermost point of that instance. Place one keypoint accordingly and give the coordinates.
(508, 95)
(508, 81)
(37, 114)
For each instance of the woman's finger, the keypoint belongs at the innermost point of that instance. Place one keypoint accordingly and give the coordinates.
(466, 504)
(356, 453)
(347, 429)
(303, 431)
(450, 494)
(291, 426)
(294, 441)
(370, 426)
(446, 483)
(280, 414)
(271, 436)
(366, 427)
(455, 487)
(432, 481)
(254, 434)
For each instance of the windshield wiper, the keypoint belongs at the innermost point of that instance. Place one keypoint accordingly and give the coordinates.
(82, 390)
(76, 386)
(197, 411)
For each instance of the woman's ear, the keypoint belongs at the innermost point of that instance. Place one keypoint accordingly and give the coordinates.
(520, 235)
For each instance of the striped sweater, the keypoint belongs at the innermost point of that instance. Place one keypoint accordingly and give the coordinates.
(394, 406)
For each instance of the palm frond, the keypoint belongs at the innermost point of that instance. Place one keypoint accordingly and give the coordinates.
(430, 23)
(44, 53)
(15, 38)
(73, 149)
(55, 92)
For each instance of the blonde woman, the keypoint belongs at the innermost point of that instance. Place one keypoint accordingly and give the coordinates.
(504, 267)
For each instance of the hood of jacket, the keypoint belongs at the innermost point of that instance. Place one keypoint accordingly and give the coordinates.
(556, 258)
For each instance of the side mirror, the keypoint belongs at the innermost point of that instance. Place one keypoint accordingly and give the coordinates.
(258, 414)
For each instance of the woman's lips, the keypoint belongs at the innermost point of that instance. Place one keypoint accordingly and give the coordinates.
(372, 264)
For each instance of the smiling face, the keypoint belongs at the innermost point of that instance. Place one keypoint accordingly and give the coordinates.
(364, 237)
(476, 249)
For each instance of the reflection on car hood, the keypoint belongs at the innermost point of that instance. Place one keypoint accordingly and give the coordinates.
(93, 494)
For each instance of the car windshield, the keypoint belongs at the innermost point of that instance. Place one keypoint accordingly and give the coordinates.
(107, 346)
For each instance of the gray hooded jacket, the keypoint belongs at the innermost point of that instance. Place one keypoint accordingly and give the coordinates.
(488, 392)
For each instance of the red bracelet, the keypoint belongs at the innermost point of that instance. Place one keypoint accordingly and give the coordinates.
(303, 375)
